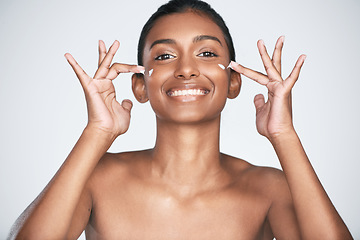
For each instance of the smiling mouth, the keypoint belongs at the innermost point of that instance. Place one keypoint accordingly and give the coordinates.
(187, 92)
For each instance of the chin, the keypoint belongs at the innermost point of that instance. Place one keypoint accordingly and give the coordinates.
(188, 116)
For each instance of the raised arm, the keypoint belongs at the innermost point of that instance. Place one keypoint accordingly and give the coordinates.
(316, 216)
(51, 214)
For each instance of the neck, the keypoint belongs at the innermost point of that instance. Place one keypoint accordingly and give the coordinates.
(187, 154)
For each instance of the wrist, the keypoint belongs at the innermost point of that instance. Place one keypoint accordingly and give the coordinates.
(283, 136)
(100, 134)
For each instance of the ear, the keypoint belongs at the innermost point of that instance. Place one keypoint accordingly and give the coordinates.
(235, 84)
(139, 87)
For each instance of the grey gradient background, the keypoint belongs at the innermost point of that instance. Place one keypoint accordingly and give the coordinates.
(42, 107)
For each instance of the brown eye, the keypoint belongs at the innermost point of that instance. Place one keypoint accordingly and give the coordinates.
(164, 57)
(207, 54)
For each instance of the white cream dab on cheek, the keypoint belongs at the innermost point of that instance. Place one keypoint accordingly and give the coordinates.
(151, 72)
(221, 66)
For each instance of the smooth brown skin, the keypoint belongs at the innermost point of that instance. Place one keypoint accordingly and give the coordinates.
(183, 188)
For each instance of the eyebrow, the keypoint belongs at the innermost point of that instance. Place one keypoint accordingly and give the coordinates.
(195, 40)
(163, 41)
(206, 37)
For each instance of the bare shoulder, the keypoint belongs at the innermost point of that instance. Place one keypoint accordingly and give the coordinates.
(118, 166)
(267, 186)
(264, 180)
(264, 190)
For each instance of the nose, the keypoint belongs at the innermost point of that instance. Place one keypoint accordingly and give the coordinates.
(186, 68)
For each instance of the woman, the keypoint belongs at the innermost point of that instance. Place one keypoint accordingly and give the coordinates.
(183, 188)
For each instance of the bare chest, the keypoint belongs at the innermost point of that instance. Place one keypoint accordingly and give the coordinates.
(157, 215)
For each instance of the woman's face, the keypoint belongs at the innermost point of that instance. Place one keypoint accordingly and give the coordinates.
(183, 52)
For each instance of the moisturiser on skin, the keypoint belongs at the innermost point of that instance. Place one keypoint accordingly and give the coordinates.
(221, 66)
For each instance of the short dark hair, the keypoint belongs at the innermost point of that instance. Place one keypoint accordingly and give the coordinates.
(180, 6)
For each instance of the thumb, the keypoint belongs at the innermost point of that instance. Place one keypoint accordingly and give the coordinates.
(127, 104)
(259, 102)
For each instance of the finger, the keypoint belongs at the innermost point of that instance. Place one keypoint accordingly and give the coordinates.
(254, 75)
(118, 68)
(127, 104)
(290, 103)
(294, 75)
(270, 69)
(276, 58)
(106, 62)
(102, 51)
(80, 73)
(259, 102)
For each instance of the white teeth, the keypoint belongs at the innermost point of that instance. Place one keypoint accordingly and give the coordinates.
(192, 92)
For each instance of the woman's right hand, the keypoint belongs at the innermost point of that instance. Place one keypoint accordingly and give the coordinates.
(105, 113)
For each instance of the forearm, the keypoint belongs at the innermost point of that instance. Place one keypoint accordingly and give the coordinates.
(317, 217)
(51, 213)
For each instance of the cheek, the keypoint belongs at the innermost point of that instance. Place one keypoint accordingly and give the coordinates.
(220, 78)
(218, 75)
(155, 77)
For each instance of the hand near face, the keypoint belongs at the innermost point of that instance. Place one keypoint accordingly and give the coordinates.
(105, 113)
(273, 117)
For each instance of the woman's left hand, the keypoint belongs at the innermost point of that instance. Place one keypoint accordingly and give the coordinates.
(274, 117)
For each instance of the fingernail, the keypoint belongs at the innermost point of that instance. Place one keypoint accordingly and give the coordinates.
(115, 42)
(232, 64)
(262, 42)
(283, 38)
(66, 55)
(141, 68)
